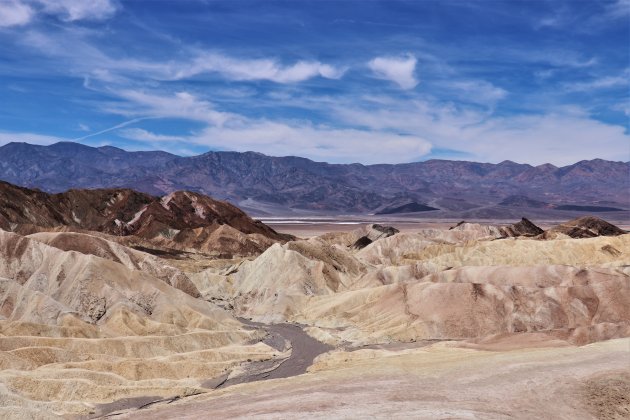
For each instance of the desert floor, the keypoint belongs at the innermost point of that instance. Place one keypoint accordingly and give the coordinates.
(480, 321)
(309, 227)
(441, 381)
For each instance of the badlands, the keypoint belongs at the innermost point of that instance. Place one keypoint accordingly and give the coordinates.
(119, 304)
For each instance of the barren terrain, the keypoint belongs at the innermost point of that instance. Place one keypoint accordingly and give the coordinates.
(422, 320)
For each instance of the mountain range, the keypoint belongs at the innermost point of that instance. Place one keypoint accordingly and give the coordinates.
(265, 185)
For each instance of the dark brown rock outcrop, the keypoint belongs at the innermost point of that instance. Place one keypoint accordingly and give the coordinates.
(182, 219)
(374, 232)
(523, 228)
(588, 227)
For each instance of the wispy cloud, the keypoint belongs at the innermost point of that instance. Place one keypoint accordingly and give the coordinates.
(93, 64)
(300, 139)
(256, 69)
(316, 91)
(237, 132)
(561, 58)
(605, 82)
(400, 70)
(178, 105)
(618, 9)
(72, 10)
(318, 142)
(14, 13)
(22, 12)
(394, 131)
(623, 107)
(476, 91)
(600, 13)
(33, 138)
(142, 135)
(523, 138)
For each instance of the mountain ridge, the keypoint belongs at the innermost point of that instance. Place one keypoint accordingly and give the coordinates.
(266, 184)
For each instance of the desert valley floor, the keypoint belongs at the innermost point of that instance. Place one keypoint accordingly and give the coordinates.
(184, 307)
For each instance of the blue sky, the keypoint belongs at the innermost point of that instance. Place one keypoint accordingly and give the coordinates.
(337, 81)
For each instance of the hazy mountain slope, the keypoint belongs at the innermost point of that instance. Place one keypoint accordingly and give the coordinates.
(257, 181)
(64, 165)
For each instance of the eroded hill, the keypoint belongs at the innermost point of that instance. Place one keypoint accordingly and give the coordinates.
(91, 324)
(181, 220)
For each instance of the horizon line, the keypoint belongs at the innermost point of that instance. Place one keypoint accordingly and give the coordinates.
(507, 161)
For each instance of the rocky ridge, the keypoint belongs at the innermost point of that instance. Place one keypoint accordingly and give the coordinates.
(181, 220)
(283, 185)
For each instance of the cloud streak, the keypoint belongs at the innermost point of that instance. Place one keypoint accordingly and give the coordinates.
(256, 69)
(393, 132)
(73, 10)
(94, 65)
(534, 139)
(22, 12)
(115, 127)
(606, 82)
(229, 131)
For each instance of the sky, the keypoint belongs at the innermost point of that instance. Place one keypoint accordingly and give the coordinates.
(338, 81)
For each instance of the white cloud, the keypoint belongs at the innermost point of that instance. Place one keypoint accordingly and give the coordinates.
(179, 105)
(623, 107)
(477, 91)
(602, 14)
(14, 13)
(317, 142)
(256, 69)
(140, 134)
(561, 58)
(396, 69)
(93, 64)
(236, 132)
(7, 137)
(306, 140)
(559, 138)
(389, 132)
(601, 83)
(73, 10)
(21, 12)
(562, 137)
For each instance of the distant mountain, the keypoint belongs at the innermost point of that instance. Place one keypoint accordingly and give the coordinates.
(407, 208)
(281, 185)
(589, 209)
(523, 201)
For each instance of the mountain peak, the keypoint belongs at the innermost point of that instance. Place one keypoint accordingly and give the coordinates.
(281, 185)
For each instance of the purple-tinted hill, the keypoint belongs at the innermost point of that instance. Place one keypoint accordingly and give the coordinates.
(264, 184)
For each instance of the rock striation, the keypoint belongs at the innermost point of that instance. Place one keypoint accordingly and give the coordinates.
(112, 298)
(180, 220)
(587, 227)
